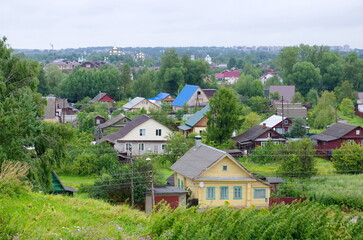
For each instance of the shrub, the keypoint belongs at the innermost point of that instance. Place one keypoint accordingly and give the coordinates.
(12, 175)
(348, 158)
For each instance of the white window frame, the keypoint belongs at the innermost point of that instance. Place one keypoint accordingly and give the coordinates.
(158, 132)
(142, 131)
(141, 146)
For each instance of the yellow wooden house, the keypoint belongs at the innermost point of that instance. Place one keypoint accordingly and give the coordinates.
(213, 176)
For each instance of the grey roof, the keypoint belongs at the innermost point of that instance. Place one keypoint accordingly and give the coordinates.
(169, 189)
(225, 178)
(273, 120)
(251, 134)
(133, 102)
(112, 121)
(197, 160)
(98, 97)
(286, 91)
(360, 96)
(125, 130)
(170, 180)
(273, 180)
(195, 118)
(334, 132)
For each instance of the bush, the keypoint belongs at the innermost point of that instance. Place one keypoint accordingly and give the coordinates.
(268, 153)
(12, 175)
(348, 158)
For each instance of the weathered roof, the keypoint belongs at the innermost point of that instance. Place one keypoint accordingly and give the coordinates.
(197, 160)
(169, 189)
(170, 180)
(334, 132)
(209, 92)
(273, 120)
(133, 102)
(195, 118)
(286, 91)
(184, 95)
(251, 134)
(274, 180)
(125, 130)
(112, 121)
(98, 97)
(160, 96)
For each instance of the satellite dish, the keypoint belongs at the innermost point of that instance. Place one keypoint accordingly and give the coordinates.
(201, 184)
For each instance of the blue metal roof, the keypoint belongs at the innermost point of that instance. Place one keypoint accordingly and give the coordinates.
(184, 95)
(160, 96)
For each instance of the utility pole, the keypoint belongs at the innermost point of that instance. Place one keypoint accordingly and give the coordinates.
(132, 178)
(282, 114)
(152, 184)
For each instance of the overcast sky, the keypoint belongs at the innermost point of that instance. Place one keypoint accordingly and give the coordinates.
(172, 23)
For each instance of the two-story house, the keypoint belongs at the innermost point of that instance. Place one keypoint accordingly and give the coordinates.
(139, 103)
(278, 123)
(190, 96)
(141, 135)
(213, 177)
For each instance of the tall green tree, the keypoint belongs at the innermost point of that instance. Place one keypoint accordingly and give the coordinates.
(231, 63)
(248, 86)
(223, 116)
(20, 105)
(305, 76)
(125, 81)
(324, 113)
(348, 158)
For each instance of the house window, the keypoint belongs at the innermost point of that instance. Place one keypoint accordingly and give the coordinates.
(142, 132)
(158, 132)
(163, 147)
(181, 183)
(357, 132)
(224, 193)
(178, 183)
(286, 121)
(98, 121)
(211, 193)
(128, 146)
(141, 147)
(224, 167)
(351, 140)
(237, 193)
(259, 193)
(263, 143)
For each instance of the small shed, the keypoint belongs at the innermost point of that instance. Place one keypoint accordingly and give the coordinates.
(275, 182)
(174, 196)
(59, 188)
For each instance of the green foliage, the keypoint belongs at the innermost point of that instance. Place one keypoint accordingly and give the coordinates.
(86, 122)
(223, 116)
(348, 158)
(85, 158)
(305, 76)
(249, 87)
(312, 96)
(258, 104)
(116, 186)
(324, 112)
(347, 107)
(275, 96)
(145, 85)
(269, 153)
(298, 159)
(250, 120)
(345, 90)
(83, 83)
(299, 221)
(298, 129)
(20, 105)
(337, 189)
(298, 98)
(162, 116)
(177, 145)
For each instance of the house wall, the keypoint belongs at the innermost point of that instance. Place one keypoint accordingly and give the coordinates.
(145, 104)
(233, 170)
(351, 136)
(286, 127)
(106, 98)
(150, 140)
(203, 100)
(148, 203)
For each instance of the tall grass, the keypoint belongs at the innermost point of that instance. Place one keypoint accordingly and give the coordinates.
(302, 221)
(340, 189)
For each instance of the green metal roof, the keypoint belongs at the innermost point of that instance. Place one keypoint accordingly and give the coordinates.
(195, 118)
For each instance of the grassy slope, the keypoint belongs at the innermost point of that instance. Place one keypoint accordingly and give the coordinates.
(323, 166)
(38, 216)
